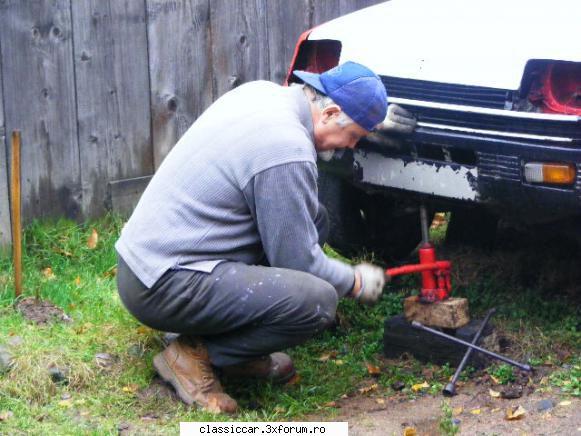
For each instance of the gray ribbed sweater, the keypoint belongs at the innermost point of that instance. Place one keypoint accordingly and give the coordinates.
(241, 183)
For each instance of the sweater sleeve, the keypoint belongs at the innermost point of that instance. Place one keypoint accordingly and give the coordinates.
(285, 205)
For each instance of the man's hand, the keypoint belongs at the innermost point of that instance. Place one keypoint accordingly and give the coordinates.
(398, 120)
(369, 283)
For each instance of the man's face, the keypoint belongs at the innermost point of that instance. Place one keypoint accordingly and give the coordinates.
(329, 135)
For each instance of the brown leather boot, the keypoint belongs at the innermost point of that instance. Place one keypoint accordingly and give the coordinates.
(186, 366)
(277, 367)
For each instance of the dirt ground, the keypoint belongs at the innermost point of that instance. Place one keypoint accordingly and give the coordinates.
(474, 410)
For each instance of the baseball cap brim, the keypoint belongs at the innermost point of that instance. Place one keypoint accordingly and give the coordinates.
(312, 79)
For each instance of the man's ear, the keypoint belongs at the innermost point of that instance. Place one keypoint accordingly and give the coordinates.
(330, 112)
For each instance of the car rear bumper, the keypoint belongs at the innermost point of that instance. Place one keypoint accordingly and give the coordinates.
(474, 167)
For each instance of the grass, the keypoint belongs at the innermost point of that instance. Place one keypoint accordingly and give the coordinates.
(102, 396)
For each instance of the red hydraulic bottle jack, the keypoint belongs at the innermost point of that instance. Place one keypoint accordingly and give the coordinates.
(436, 281)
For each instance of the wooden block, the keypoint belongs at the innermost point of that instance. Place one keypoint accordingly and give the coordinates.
(451, 313)
(400, 338)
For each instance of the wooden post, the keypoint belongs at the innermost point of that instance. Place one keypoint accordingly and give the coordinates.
(15, 212)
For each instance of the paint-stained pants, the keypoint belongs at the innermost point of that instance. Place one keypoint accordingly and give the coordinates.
(241, 311)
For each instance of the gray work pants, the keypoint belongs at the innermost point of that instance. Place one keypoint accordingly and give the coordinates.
(241, 311)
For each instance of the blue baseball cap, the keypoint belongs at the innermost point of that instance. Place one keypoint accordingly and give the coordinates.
(355, 88)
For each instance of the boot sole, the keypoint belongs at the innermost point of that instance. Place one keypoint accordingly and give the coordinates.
(165, 372)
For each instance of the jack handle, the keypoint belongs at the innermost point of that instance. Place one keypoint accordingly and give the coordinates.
(440, 266)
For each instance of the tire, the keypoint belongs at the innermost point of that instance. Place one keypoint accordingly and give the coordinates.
(345, 221)
(364, 223)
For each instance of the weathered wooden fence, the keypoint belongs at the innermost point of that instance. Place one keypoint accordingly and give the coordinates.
(102, 89)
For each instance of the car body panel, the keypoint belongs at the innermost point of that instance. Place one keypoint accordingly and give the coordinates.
(482, 43)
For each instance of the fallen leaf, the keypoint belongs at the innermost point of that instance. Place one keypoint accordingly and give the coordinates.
(328, 356)
(419, 386)
(565, 403)
(77, 280)
(296, 379)
(476, 411)
(143, 330)
(496, 409)
(66, 403)
(368, 389)
(495, 380)
(344, 396)
(93, 240)
(493, 393)
(409, 431)
(83, 328)
(279, 409)
(514, 414)
(338, 362)
(373, 370)
(380, 401)
(330, 404)
(111, 272)
(48, 274)
(457, 411)
(131, 388)
(544, 381)
(65, 253)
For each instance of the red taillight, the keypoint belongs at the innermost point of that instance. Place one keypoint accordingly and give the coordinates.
(562, 89)
(314, 56)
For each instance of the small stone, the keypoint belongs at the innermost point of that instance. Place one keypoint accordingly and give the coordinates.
(456, 421)
(66, 396)
(6, 360)
(104, 361)
(511, 392)
(398, 385)
(5, 415)
(545, 405)
(136, 350)
(57, 375)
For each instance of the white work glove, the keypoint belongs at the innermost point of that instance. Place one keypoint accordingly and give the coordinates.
(398, 120)
(369, 283)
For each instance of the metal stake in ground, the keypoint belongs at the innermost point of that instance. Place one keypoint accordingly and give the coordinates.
(450, 389)
(15, 212)
(522, 366)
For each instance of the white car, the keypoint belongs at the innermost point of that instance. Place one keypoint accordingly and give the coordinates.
(495, 87)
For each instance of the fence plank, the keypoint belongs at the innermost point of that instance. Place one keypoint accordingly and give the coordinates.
(5, 232)
(37, 68)
(180, 68)
(239, 43)
(112, 95)
(284, 25)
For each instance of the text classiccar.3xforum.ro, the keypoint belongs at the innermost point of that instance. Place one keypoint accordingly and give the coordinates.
(266, 429)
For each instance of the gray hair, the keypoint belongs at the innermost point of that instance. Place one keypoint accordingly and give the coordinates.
(324, 101)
